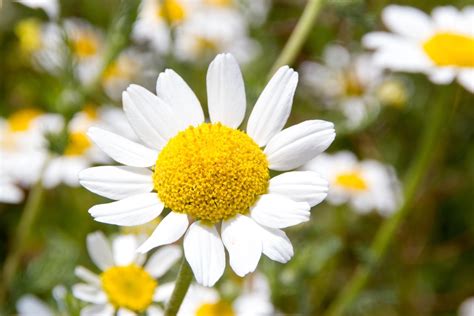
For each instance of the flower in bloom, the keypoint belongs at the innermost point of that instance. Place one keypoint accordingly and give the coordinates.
(125, 285)
(201, 28)
(440, 45)
(351, 83)
(22, 149)
(367, 185)
(80, 152)
(212, 176)
(467, 307)
(253, 300)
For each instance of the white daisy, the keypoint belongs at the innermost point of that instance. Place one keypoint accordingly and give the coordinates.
(80, 152)
(440, 45)
(367, 185)
(467, 307)
(125, 286)
(253, 301)
(211, 175)
(23, 145)
(350, 83)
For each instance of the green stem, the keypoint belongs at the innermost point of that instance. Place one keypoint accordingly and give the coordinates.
(299, 35)
(183, 281)
(28, 218)
(386, 232)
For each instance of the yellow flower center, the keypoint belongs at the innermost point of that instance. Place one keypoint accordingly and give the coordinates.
(219, 3)
(221, 308)
(29, 35)
(85, 45)
(352, 180)
(352, 84)
(21, 120)
(171, 10)
(129, 287)
(211, 172)
(450, 49)
(78, 144)
(205, 46)
(91, 111)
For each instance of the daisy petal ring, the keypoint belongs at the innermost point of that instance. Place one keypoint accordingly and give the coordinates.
(212, 176)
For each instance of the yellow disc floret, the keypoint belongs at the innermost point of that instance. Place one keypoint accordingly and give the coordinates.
(351, 180)
(450, 49)
(211, 172)
(221, 308)
(129, 287)
(21, 120)
(78, 144)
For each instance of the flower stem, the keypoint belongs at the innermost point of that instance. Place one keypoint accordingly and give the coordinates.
(299, 35)
(27, 219)
(386, 232)
(185, 276)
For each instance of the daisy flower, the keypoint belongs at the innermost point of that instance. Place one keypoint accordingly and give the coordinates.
(367, 185)
(23, 146)
(124, 286)
(80, 152)
(442, 46)
(212, 176)
(350, 83)
(254, 300)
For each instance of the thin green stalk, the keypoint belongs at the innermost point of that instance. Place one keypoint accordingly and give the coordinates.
(185, 276)
(28, 217)
(299, 35)
(386, 233)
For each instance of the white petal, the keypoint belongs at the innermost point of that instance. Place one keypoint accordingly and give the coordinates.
(163, 292)
(225, 91)
(448, 18)
(123, 150)
(154, 310)
(170, 229)
(376, 40)
(175, 92)
(273, 107)
(162, 260)
(117, 182)
(277, 211)
(298, 144)
(204, 252)
(443, 75)
(300, 186)
(466, 79)
(89, 293)
(124, 248)
(9, 193)
(135, 210)
(87, 276)
(99, 250)
(403, 20)
(95, 310)
(276, 244)
(150, 117)
(239, 237)
(29, 305)
(125, 312)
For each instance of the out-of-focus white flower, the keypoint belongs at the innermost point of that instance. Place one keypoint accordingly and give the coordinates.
(440, 45)
(367, 185)
(87, 44)
(349, 83)
(127, 68)
(43, 42)
(212, 175)
(201, 28)
(467, 307)
(80, 152)
(23, 145)
(254, 300)
(51, 7)
(126, 285)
